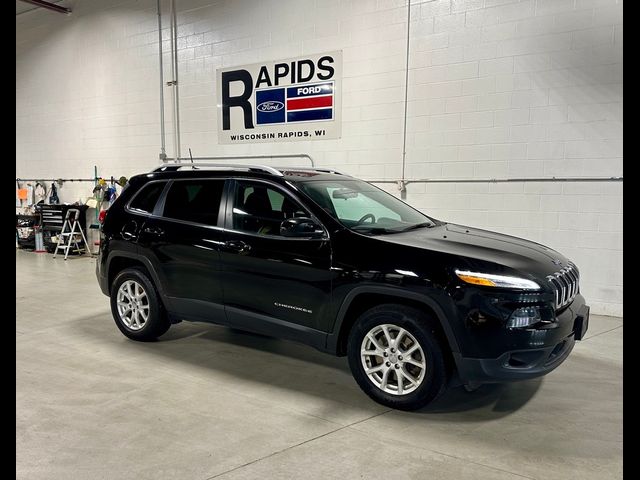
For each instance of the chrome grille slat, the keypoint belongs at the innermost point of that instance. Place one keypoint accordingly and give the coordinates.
(557, 289)
(574, 286)
(567, 292)
(566, 284)
(565, 288)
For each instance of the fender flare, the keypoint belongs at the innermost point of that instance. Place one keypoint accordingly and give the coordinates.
(142, 259)
(334, 337)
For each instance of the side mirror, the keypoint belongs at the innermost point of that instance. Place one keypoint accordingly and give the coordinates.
(301, 227)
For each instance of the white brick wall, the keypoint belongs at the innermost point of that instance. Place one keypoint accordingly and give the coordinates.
(497, 88)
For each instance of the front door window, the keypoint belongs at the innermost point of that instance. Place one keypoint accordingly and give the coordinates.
(259, 208)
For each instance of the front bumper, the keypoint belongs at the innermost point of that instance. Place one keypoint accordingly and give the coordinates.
(531, 362)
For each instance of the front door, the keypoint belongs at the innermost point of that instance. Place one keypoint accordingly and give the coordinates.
(273, 284)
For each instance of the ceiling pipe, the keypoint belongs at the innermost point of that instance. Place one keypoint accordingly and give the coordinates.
(49, 6)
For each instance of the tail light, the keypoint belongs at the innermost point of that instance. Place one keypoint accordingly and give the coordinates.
(101, 216)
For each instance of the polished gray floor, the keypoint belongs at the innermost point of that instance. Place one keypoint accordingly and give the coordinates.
(209, 402)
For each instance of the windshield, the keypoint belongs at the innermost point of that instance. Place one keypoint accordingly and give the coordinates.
(364, 208)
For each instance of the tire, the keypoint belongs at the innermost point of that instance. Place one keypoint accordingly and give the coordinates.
(132, 323)
(420, 386)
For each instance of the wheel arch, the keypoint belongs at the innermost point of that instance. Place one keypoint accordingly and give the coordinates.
(121, 260)
(363, 298)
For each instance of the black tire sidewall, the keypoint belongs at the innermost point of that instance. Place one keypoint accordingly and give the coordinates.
(419, 325)
(156, 324)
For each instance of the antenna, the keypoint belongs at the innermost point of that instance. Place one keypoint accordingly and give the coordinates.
(190, 156)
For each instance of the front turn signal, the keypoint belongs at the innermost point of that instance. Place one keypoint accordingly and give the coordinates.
(491, 280)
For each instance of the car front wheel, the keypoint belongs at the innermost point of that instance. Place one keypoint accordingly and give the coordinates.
(396, 357)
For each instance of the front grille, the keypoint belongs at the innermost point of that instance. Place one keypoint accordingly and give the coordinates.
(566, 284)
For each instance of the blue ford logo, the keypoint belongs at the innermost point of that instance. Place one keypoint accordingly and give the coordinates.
(270, 106)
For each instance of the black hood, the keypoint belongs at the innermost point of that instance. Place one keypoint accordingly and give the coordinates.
(474, 244)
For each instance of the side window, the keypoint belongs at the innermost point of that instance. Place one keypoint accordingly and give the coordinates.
(194, 201)
(146, 199)
(258, 208)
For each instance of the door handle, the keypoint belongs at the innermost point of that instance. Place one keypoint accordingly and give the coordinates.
(237, 246)
(128, 232)
(155, 231)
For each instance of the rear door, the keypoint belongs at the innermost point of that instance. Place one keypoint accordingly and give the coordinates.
(273, 284)
(183, 239)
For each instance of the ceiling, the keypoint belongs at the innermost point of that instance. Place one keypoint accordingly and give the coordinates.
(22, 7)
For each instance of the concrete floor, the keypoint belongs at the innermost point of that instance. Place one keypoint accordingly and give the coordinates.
(208, 402)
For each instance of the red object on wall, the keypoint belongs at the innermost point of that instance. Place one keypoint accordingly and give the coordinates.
(311, 102)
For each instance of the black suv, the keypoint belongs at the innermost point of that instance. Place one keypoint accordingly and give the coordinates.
(319, 257)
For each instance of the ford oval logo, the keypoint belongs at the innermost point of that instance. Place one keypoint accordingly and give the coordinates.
(270, 106)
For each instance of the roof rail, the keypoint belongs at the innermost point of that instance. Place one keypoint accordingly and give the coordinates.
(222, 166)
(167, 168)
(314, 169)
(330, 170)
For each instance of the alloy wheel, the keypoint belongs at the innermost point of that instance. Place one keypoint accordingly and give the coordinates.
(133, 305)
(393, 359)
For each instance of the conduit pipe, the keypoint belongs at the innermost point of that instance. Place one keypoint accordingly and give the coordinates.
(402, 181)
(501, 180)
(249, 157)
(174, 81)
(163, 153)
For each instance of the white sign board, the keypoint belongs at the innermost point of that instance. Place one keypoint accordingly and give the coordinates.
(292, 99)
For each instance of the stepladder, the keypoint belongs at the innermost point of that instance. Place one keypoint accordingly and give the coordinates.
(71, 238)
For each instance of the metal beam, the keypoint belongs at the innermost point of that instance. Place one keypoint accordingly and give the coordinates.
(48, 6)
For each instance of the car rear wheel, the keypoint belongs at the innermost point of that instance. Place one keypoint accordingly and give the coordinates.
(135, 306)
(396, 357)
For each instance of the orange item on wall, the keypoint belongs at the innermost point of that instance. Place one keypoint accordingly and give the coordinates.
(22, 193)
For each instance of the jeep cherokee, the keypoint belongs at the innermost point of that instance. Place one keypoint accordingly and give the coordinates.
(319, 257)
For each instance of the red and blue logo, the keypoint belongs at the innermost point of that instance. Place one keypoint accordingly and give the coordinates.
(309, 102)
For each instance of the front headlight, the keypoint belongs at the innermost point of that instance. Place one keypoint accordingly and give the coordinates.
(502, 281)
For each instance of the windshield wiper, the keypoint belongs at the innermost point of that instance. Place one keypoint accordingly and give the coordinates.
(373, 230)
(382, 230)
(418, 225)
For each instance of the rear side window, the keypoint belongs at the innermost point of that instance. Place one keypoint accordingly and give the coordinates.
(194, 201)
(146, 199)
